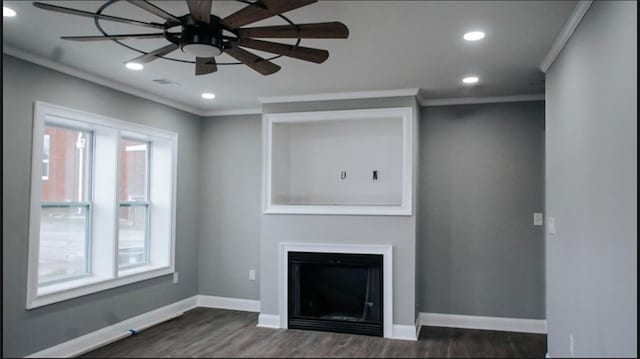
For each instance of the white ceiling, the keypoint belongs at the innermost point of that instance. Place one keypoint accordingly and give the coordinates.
(392, 45)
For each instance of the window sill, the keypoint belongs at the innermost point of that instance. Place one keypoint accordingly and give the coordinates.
(127, 272)
(87, 285)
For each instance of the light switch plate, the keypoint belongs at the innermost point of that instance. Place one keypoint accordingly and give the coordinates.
(175, 277)
(252, 274)
(537, 219)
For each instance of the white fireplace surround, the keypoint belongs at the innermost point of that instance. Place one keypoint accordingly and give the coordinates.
(387, 274)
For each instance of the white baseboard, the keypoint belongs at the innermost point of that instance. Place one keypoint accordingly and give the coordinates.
(269, 321)
(106, 335)
(246, 305)
(538, 326)
(404, 332)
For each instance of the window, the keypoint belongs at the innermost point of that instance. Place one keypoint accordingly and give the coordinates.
(65, 206)
(133, 214)
(102, 204)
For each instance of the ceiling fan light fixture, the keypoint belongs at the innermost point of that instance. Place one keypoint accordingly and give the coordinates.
(201, 50)
(134, 66)
(204, 35)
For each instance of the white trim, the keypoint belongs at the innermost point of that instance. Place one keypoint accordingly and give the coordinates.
(538, 326)
(387, 275)
(404, 209)
(565, 34)
(404, 332)
(245, 305)
(233, 112)
(269, 321)
(340, 96)
(474, 100)
(36, 59)
(111, 333)
(99, 280)
(100, 120)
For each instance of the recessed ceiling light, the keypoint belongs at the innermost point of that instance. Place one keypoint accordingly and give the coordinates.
(470, 80)
(8, 12)
(208, 96)
(474, 36)
(134, 66)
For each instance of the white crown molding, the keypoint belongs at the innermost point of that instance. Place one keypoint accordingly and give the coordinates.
(538, 326)
(475, 100)
(233, 112)
(39, 60)
(245, 305)
(569, 27)
(340, 96)
(111, 333)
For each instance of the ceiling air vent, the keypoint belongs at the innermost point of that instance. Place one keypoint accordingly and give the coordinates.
(165, 82)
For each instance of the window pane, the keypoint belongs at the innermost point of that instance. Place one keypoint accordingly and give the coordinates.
(132, 246)
(63, 243)
(66, 159)
(133, 170)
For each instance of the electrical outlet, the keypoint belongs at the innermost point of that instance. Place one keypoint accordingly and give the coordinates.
(252, 274)
(175, 277)
(537, 218)
(571, 342)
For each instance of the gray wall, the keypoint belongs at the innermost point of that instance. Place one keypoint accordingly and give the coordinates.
(221, 157)
(230, 206)
(591, 186)
(25, 332)
(398, 231)
(481, 179)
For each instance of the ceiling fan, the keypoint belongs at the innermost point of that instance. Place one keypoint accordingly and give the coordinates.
(205, 36)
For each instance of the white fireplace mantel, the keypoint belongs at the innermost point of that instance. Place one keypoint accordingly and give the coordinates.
(387, 274)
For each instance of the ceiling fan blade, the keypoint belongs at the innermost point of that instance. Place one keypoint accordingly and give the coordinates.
(254, 61)
(113, 37)
(323, 30)
(260, 10)
(298, 52)
(70, 11)
(154, 54)
(200, 10)
(145, 5)
(205, 65)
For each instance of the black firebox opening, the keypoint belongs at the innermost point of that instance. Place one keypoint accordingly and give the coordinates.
(336, 292)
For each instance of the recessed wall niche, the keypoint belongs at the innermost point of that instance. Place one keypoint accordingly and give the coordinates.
(338, 162)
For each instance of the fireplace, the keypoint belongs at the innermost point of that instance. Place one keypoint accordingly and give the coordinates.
(337, 292)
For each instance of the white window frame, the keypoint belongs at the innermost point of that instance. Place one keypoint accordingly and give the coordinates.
(83, 201)
(47, 161)
(104, 273)
(144, 203)
(406, 114)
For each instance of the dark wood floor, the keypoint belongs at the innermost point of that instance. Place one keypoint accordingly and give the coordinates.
(206, 332)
